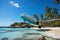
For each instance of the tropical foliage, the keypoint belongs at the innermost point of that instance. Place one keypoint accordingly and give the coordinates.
(36, 17)
(16, 24)
(41, 16)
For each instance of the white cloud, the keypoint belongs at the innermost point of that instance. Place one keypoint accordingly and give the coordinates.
(14, 4)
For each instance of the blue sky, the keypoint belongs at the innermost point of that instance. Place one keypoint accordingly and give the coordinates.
(10, 10)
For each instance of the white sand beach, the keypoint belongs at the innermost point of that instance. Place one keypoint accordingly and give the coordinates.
(53, 33)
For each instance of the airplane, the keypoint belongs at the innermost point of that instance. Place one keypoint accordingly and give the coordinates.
(32, 21)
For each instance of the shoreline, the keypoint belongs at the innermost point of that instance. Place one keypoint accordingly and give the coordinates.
(54, 32)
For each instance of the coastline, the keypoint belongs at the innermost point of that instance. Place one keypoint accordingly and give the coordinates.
(53, 33)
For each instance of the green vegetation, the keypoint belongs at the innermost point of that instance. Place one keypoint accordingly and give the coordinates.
(16, 24)
(22, 25)
(41, 16)
(36, 17)
(50, 15)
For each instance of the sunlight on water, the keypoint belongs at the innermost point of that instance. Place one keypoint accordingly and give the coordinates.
(12, 33)
(20, 33)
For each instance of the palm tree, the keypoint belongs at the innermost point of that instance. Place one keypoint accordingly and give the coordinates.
(37, 19)
(54, 13)
(41, 16)
(48, 13)
(48, 10)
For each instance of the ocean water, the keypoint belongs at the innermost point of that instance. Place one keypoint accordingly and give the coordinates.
(21, 34)
(12, 33)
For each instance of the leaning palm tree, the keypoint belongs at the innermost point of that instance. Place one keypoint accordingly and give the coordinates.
(37, 19)
(41, 16)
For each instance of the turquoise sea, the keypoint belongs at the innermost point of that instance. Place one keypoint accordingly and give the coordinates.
(20, 34)
(12, 33)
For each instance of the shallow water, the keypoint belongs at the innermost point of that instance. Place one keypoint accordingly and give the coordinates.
(12, 33)
(20, 33)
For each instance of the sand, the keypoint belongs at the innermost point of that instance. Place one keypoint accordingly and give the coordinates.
(55, 31)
